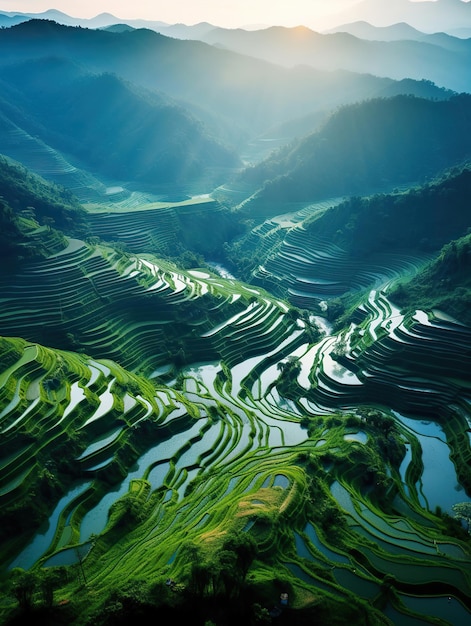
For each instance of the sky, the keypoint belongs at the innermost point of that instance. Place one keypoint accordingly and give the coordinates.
(226, 13)
(315, 14)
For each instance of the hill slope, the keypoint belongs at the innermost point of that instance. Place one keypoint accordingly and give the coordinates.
(425, 58)
(248, 93)
(341, 248)
(444, 285)
(367, 147)
(29, 205)
(110, 127)
(424, 218)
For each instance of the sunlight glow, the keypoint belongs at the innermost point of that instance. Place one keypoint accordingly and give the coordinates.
(227, 13)
(250, 14)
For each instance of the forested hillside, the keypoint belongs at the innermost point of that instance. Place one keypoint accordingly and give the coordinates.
(373, 145)
(443, 285)
(27, 203)
(421, 218)
(111, 127)
(50, 203)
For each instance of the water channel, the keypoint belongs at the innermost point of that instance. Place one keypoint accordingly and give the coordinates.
(41, 542)
(438, 484)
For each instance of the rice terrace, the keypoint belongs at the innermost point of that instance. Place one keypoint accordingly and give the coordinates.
(235, 349)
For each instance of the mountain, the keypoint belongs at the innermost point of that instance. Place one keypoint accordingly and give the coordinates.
(402, 31)
(429, 16)
(118, 28)
(442, 59)
(363, 147)
(183, 31)
(444, 284)
(365, 30)
(11, 20)
(111, 127)
(247, 95)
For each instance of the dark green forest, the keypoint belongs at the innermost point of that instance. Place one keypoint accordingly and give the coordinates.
(421, 218)
(375, 145)
(444, 284)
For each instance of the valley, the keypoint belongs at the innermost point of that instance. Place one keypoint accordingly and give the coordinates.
(213, 408)
(236, 377)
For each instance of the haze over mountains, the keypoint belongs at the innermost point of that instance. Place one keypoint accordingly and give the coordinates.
(442, 59)
(383, 47)
(137, 106)
(215, 101)
(79, 113)
(452, 16)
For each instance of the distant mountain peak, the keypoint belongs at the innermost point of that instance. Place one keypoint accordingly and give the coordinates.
(429, 16)
(51, 13)
(366, 30)
(106, 15)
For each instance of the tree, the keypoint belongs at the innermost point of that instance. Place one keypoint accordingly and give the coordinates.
(48, 580)
(245, 548)
(23, 586)
(462, 511)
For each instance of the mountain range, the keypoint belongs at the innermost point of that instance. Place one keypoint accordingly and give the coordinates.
(396, 51)
(430, 16)
(443, 59)
(452, 16)
(62, 85)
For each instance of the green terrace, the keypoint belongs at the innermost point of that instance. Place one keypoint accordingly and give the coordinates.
(199, 408)
(316, 268)
(88, 294)
(39, 157)
(164, 227)
(225, 471)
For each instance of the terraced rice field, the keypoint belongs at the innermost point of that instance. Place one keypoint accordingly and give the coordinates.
(304, 268)
(40, 158)
(312, 268)
(176, 414)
